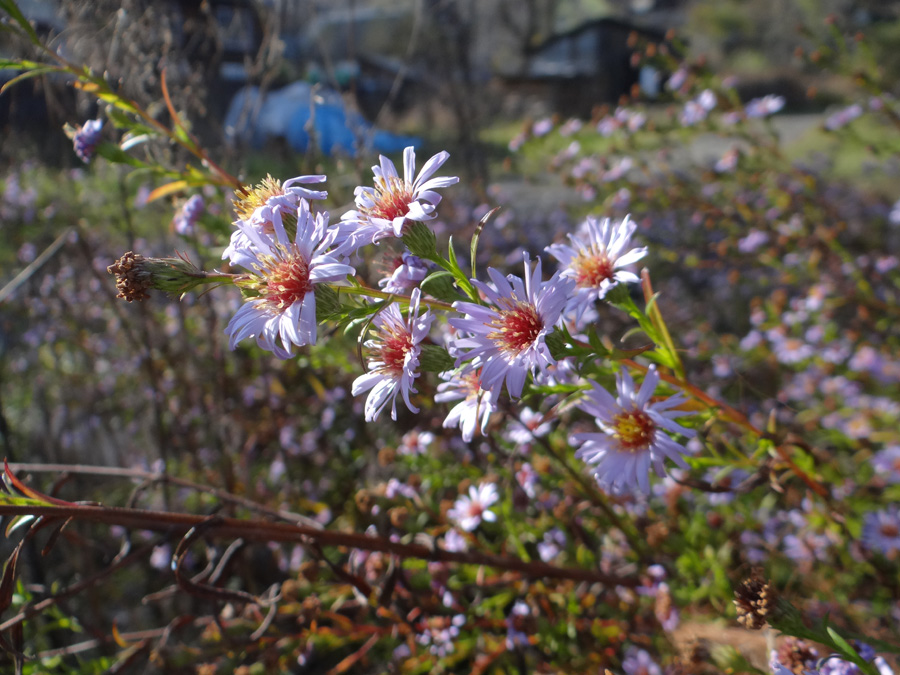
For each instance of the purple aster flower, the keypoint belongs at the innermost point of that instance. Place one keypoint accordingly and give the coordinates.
(678, 78)
(469, 510)
(887, 463)
(454, 541)
(843, 117)
(881, 531)
(86, 139)
(188, 215)
(707, 99)
(415, 442)
(639, 662)
(596, 259)
(394, 358)
(409, 272)
(692, 113)
(608, 126)
(794, 657)
(384, 210)
(509, 336)
(765, 106)
(728, 161)
(551, 545)
(636, 120)
(475, 404)
(283, 274)
(634, 434)
(527, 479)
(529, 426)
(262, 207)
(542, 127)
(515, 636)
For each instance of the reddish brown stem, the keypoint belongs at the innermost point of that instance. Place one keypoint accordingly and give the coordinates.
(741, 420)
(260, 530)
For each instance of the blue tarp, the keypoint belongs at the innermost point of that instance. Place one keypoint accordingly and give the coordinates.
(293, 111)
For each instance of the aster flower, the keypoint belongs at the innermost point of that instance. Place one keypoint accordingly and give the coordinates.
(469, 510)
(283, 274)
(887, 463)
(187, 217)
(85, 140)
(475, 404)
(843, 117)
(881, 531)
(633, 434)
(794, 657)
(394, 359)
(765, 106)
(639, 662)
(384, 210)
(596, 259)
(409, 272)
(527, 427)
(509, 336)
(262, 206)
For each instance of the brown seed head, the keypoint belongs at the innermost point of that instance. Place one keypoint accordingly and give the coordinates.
(132, 280)
(754, 600)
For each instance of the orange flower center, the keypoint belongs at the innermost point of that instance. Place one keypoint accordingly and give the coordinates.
(392, 199)
(391, 349)
(516, 328)
(287, 281)
(591, 270)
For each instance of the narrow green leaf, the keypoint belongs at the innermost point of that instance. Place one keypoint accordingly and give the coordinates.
(113, 153)
(27, 76)
(10, 7)
(848, 652)
(473, 249)
(19, 64)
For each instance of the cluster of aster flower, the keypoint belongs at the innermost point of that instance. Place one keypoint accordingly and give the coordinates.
(497, 338)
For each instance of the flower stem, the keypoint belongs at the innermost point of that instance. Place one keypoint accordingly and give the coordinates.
(384, 295)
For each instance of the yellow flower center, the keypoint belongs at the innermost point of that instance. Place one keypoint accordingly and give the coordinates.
(634, 430)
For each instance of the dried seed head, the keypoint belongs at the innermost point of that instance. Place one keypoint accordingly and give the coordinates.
(754, 600)
(132, 278)
(135, 275)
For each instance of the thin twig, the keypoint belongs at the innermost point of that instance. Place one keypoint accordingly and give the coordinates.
(179, 524)
(153, 477)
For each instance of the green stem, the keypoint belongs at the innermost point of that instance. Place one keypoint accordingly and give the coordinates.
(598, 499)
(373, 293)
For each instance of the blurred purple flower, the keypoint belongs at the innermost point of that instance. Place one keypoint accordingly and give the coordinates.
(469, 510)
(765, 106)
(881, 531)
(887, 464)
(188, 215)
(843, 117)
(86, 139)
(639, 662)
